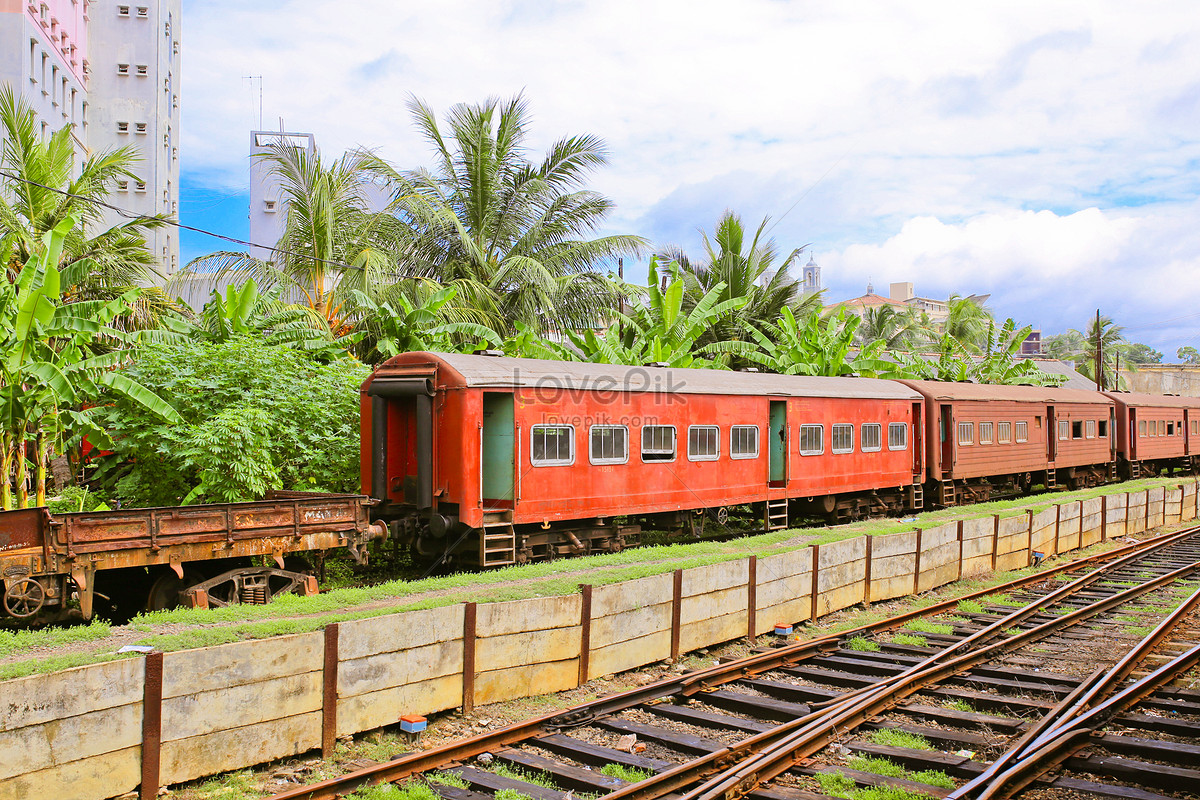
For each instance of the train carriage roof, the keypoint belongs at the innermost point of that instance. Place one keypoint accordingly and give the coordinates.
(504, 372)
(1153, 400)
(950, 392)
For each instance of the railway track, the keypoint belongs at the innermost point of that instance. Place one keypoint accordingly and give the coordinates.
(1058, 682)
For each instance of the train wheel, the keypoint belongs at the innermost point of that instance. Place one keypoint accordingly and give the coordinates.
(167, 590)
(24, 598)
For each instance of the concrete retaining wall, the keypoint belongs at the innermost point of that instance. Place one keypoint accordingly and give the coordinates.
(81, 733)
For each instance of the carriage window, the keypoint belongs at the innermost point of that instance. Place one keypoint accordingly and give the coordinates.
(609, 444)
(1077, 430)
(743, 441)
(842, 438)
(704, 443)
(1003, 432)
(1064, 430)
(1091, 429)
(812, 440)
(897, 436)
(553, 445)
(1022, 432)
(1102, 428)
(1195, 426)
(658, 443)
(985, 433)
(1170, 429)
(872, 434)
(1141, 427)
(966, 432)
(1162, 427)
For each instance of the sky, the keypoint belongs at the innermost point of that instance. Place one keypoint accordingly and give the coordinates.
(1043, 153)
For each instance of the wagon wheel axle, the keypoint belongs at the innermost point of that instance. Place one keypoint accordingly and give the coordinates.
(24, 598)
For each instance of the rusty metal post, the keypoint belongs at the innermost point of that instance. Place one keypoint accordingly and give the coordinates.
(676, 611)
(329, 693)
(867, 576)
(585, 632)
(816, 563)
(960, 551)
(995, 540)
(1146, 524)
(1057, 524)
(1104, 518)
(917, 562)
(151, 725)
(1029, 544)
(468, 697)
(751, 597)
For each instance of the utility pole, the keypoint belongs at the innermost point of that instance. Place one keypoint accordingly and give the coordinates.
(1099, 354)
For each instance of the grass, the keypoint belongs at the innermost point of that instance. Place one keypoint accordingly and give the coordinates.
(888, 769)
(891, 737)
(628, 774)
(1138, 630)
(970, 607)
(446, 779)
(862, 644)
(231, 786)
(1005, 600)
(411, 790)
(908, 639)
(961, 705)
(922, 626)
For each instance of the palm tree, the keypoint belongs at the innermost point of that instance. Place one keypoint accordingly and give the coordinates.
(968, 322)
(746, 267)
(1109, 337)
(96, 263)
(331, 245)
(898, 330)
(511, 234)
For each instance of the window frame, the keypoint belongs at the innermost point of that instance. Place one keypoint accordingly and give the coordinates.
(716, 439)
(969, 429)
(1019, 426)
(800, 439)
(991, 432)
(1004, 432)
(1142, 428)
(1090, 429)
(757, 442)
(607, 461)
(833, 437)
(901, 426)
(558, 462)
(862, 437)
(1064, 430)
(674, 444)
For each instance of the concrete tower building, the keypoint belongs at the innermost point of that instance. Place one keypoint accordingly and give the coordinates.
(812, 277)
(112, 70)
(268, 207)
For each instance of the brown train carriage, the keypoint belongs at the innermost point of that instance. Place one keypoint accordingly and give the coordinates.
(987, 441)
(1156, 433)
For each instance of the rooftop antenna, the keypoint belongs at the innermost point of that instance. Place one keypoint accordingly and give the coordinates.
(252, 79)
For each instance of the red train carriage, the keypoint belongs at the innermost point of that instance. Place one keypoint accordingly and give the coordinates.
(993, 441)
(500, 460)
(1156, 433)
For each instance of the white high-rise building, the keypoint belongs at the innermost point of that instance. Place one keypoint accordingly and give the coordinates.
(112, 70)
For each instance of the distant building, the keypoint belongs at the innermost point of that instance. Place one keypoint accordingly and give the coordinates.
(811, 281)
(268, 207)
(901, 295)
(112, 71)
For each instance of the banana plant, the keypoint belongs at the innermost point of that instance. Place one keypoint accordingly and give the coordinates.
(54, 358)
(403, 324)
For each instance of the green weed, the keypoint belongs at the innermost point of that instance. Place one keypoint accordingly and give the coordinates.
(896, 738)
(961, 705)
(862, 644)
(922, 626)
(970, 607)
(908, 639)
(1005, 600)
(888, 769)
(622, 772)
(446, 779)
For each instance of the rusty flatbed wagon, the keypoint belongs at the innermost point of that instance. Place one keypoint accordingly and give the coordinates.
(197, 554)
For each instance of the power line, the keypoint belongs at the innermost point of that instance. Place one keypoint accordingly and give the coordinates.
(130, 215)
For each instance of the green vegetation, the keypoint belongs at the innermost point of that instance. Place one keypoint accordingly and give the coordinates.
(16, 641)
(908, 639)
(517, 774)
(410, 790)
(862, 644)
(961, 705)
(881, 766)
(629, 774)
(1138, 630)
(970, 607)
(924, 626)
(891, 737)
(1005, 600)
(446, 779)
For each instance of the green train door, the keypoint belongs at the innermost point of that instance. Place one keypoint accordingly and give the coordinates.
(778, 443)
(497, 447)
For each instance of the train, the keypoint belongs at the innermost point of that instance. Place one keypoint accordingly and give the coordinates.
(483, 461)
(486, 461)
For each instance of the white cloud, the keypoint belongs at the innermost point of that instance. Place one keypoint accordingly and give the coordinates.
(871, 118)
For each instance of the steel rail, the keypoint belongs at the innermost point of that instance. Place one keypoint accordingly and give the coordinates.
(686, 685)
(807, 740)
(1074, 735)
